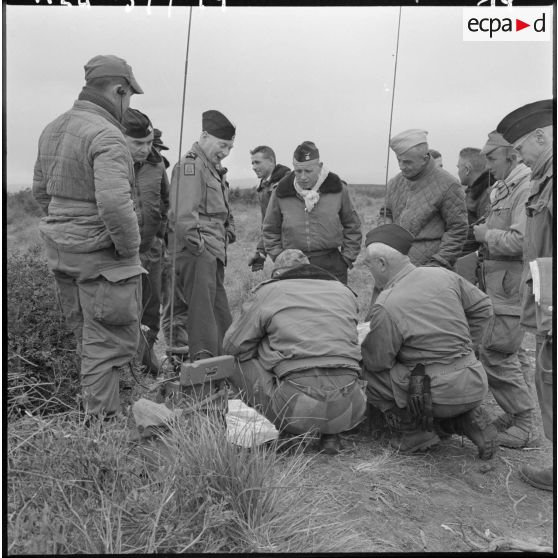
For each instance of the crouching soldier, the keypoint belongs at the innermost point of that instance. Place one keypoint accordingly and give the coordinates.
(418, 357)
(297, 346)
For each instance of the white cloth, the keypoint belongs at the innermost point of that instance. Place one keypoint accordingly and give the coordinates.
(312, 196)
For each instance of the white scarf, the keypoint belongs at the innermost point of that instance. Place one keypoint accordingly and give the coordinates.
(312, 196)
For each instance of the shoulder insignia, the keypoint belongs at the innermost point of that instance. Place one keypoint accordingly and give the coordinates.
(189, 169)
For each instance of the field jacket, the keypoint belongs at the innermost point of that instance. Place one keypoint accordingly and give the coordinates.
(477, 201)
(151, 194)
(202, 218)
(432, 207)
(83, 180)
(302, 319)
(332, 224)
(264, 190)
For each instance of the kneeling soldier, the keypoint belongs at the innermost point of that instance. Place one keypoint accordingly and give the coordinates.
(418, 357)
(297, 344)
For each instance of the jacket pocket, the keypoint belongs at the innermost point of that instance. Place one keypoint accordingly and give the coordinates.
(118, 302)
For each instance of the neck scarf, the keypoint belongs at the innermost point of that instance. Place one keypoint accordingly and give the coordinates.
(93, 96)
(311, 196)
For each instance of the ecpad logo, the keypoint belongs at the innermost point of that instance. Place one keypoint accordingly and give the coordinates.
(507, 24)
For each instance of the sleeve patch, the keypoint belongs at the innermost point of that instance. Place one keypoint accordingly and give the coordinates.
(189, 169)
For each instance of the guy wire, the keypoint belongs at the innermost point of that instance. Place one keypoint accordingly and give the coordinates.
(173, 264)
(392, 102)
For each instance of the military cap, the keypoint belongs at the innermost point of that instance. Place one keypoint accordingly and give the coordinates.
(494, 141)
(157, 141)
(526, 119)
(306, 151)
(218, 125)
(287, 259)
(393, 235)
(108, 65)
(406, 140)
(136, 124)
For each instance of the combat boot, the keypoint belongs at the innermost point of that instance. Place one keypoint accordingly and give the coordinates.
(330, 443)
(475, 425)
(413, 441)
(146, 353)
(503, 421)
(519, 434)
(542, 478)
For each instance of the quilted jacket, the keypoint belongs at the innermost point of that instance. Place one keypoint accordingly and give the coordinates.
(82, 180)
(432, 207)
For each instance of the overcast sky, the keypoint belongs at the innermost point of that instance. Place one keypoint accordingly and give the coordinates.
(282, 75)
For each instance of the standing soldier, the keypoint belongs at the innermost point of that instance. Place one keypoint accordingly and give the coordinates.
(311, 210)
(200, 227)
(502, 263)
(529, 129)
(151, 194)
(83, 181)
(269, 172)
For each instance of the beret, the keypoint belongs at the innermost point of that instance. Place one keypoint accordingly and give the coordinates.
(218, 125)
(393, 235)
(494, 141)
(406, 140)
(157, 141)
(306, 151)
(108, 65)
(525, 119)
(136, 124)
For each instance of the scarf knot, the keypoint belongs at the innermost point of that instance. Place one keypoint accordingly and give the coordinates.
(311, 196)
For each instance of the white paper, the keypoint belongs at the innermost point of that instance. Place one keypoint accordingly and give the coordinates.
(246, 427)
(536, 280)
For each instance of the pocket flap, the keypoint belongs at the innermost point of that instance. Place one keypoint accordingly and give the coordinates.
(120, 273)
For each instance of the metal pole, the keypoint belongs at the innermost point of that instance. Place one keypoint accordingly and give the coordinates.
(173, 265)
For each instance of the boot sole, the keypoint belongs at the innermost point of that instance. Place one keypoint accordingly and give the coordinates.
(528, 480)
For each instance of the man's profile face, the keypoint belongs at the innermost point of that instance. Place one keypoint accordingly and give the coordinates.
(498, 164)
(216, 149)
(412, 162)
(529, 147)
(377, 269)
(261, 165)
(307, 172)
(462, 171)
(139, 147)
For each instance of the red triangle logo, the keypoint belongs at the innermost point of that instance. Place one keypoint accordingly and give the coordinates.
(519, 25)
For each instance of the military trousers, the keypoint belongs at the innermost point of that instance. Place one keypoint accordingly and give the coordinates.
(100, 297)
(201, 308)
(503, 336)
(151, 260)
(544, 380)
(331, 261)
(319, 400)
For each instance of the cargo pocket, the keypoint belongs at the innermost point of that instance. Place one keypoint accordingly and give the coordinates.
(504, 333)
(118, 303)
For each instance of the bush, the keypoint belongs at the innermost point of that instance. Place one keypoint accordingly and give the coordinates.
(42, 371)
(20, 204)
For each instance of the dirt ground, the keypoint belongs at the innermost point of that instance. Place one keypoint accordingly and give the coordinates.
(442, 500)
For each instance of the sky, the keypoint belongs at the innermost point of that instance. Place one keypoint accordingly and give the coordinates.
(282, 75)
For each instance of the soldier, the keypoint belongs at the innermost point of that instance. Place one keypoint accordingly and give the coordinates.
(151, 191)
(473, 174)
(83, 181)
(200, 227)
(269, 172)
(437, 156)
(418, 357)
(427, 201)
(160, 146)
(501, 256)
(311, 210)
(530, 130)
(298, 349)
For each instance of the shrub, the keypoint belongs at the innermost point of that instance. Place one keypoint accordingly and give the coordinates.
(20, 204)
(42, 372)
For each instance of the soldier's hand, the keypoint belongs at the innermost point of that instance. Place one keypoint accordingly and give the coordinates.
(427, 421)
(415, 399)
(231, 237)
(257, 261)
(480, 232)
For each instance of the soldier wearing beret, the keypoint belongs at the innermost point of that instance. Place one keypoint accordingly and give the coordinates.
(269, 172)
(151, 195)
(530, 130)
(419, 359)
(427, 201)
(159, 146)
(83, 181)
(297, 344)
(311, 210)
(501, 265)
(200, 227)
